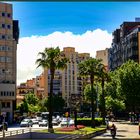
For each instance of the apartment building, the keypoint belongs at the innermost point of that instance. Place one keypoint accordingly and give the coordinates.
(9, 34)
(125, 44)
(67, 82)
(39, 86)
(103, 54)
(22, 90)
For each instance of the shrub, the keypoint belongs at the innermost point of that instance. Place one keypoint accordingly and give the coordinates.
(87, 121)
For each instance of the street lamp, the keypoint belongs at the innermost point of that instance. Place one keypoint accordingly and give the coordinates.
(4, 115)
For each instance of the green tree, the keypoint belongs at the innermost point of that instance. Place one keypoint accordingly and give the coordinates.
(113, 97)
(23, 107)
(114, 104)
(88, 93)
(58, 103)
(52, 59)
(42, 105)
(129, 74)
(31, 98)
(33, 108)
(103, 77)
(90, 68)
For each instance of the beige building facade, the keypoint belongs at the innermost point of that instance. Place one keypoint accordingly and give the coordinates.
(103, 54)
(67, 82)
(9, 33)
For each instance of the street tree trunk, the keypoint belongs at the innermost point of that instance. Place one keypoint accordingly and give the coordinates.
(50, 126)
(92, 103)
(103, 103)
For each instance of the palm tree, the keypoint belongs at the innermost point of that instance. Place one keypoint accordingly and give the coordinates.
(103, 76)
(90, 68)
(51, 59)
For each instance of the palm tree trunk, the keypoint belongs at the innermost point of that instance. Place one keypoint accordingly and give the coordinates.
(50, 126)
(103, 103)
(92, 104)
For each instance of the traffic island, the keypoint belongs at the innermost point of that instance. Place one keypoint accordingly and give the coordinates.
(93, 134)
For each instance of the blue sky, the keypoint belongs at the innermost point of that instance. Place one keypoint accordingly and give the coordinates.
(86, 26)
(42, 18)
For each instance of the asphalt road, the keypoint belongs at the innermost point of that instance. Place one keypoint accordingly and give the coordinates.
(125, 130)
(34, 127)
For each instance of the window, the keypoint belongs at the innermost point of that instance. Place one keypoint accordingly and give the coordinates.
(3, 36)
(9, 26)
(2, 59)
(3, 48)
(8, 15)
(13, 93)
(8, 104)
(8, 36)
(8, 59)
(3, 14)
(3, 104)
(3, 25)
(8, 48)
(1, 93)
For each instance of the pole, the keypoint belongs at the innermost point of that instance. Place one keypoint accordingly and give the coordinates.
(3, 126)
(139, 124)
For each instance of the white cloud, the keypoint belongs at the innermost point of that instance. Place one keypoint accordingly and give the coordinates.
(28, 48)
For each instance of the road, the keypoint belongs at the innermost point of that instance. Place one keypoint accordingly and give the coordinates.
(34, 127)
(125, 130)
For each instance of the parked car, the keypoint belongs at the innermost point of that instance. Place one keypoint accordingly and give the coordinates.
(43, 123)
(71, 122)
(5, 126)
(26, 123)
(35, 121)
(55, 122)
(64, 122)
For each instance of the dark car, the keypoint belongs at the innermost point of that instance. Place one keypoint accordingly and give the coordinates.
(26, 123)
(5, 126)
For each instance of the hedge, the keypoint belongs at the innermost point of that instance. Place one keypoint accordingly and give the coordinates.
(87, 121)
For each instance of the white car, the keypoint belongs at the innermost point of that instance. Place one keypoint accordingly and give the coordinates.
(43, 123)
(64, 122)
(71, 122)
(55, 122)
(35, 121)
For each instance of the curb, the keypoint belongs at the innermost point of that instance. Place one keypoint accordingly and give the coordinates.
(88, 136)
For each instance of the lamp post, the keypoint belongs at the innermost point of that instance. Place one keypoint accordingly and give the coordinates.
(4, 115)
